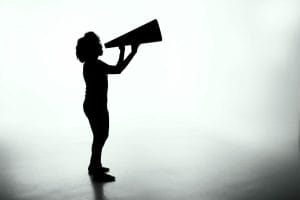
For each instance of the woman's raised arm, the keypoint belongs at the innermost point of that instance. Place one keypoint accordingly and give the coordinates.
(122, 63)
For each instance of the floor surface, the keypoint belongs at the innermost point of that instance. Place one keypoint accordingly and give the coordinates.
(148, 165)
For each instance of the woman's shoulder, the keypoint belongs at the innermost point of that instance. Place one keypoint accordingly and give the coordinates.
(101, 63)
(90, 65)
(94, 62)
(94, 67)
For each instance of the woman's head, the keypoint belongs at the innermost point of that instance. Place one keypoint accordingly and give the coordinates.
(88, 47)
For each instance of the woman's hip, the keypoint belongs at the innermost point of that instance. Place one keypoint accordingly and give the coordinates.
(92, 109)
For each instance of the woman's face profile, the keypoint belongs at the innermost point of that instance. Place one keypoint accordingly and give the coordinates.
(99, 47)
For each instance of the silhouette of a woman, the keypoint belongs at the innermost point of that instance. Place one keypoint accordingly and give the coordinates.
(95, 72)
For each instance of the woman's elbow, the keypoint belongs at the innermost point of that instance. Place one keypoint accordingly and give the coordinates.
(116, 71)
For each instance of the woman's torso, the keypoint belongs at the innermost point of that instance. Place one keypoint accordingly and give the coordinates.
(96, 84)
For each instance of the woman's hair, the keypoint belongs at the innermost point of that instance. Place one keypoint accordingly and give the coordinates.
(87, 46)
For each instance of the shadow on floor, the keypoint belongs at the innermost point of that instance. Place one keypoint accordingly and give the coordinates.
(98, 188)
(279, 182)
(7, 184)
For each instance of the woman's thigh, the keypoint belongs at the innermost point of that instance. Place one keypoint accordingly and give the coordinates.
(99, 121)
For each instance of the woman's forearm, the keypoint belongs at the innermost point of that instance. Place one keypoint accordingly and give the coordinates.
(122, 63)
(126, 61)
(121, 56)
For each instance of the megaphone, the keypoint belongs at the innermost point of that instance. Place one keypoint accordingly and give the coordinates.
(146, 33)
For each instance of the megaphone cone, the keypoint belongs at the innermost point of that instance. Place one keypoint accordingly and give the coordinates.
(146, 33)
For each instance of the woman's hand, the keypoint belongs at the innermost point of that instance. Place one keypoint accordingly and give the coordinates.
(134, 48)
(122, 48)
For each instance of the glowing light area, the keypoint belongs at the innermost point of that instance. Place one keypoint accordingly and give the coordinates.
(228, 71)
(219, 64)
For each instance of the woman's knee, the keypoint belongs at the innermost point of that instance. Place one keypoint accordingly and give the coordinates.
(100, 136)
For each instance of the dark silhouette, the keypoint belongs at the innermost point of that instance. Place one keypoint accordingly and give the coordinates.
(95, 73)
(149, 32)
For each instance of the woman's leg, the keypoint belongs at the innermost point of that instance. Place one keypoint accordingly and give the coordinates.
(100, 127)
(99, 123)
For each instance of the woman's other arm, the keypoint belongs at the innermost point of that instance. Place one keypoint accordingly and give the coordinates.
(122, 63)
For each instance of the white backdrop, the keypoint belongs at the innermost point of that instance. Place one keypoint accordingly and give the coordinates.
(227, 68)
